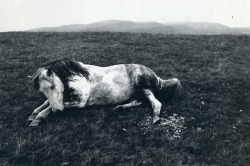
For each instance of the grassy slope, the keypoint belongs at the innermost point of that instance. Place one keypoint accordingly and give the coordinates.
(214, 71)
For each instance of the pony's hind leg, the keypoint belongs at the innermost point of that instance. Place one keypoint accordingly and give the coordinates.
(131, 104)
(37, 110)
(156, 105)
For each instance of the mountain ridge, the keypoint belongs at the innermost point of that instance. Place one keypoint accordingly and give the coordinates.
(192, 28)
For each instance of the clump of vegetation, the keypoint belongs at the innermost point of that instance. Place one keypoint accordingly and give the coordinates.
(172, 125)
(209, 127)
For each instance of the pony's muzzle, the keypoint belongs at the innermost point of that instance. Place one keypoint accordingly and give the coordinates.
(57, 109)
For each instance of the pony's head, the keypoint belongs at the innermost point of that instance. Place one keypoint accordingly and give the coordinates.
(47, 82)
(52, 80)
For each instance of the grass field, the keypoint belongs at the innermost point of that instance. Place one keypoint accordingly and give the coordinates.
(215, 110)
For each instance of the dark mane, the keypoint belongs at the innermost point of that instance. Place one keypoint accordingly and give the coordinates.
(64, 69)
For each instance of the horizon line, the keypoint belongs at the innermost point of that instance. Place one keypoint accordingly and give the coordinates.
(164, 23)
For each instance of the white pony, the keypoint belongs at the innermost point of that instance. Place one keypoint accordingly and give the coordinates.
(68, 83)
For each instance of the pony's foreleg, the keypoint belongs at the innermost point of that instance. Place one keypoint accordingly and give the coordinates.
(131, 104)
(42, 115)
(37, 110)
(156, 105)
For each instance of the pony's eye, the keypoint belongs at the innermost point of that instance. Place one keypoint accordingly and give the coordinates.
(52, 86)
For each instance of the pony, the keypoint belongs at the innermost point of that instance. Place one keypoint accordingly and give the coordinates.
(68, 83)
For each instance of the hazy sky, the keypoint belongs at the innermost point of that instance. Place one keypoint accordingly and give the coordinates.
(27, 14)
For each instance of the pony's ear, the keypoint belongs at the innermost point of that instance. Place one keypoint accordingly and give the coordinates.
(49, 72)
(36, 74)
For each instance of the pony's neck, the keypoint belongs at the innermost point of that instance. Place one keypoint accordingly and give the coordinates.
(78, 87)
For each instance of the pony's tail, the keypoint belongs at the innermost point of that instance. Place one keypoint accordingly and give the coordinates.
(170, 90)
(178, 94)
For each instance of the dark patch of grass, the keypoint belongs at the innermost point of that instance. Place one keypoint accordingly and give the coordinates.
(214, 71)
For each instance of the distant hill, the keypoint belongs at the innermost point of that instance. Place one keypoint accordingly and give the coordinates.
(63, 28)
(194, 28)
(243, 30)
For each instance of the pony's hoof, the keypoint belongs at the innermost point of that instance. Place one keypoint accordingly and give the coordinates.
(31, 118)
(28, 122)
(35, 123)
(155, 120)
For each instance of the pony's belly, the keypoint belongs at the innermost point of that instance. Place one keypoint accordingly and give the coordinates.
(110, 97)
(114, 88)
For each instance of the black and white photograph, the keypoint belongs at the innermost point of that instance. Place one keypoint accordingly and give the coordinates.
(124, 83)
